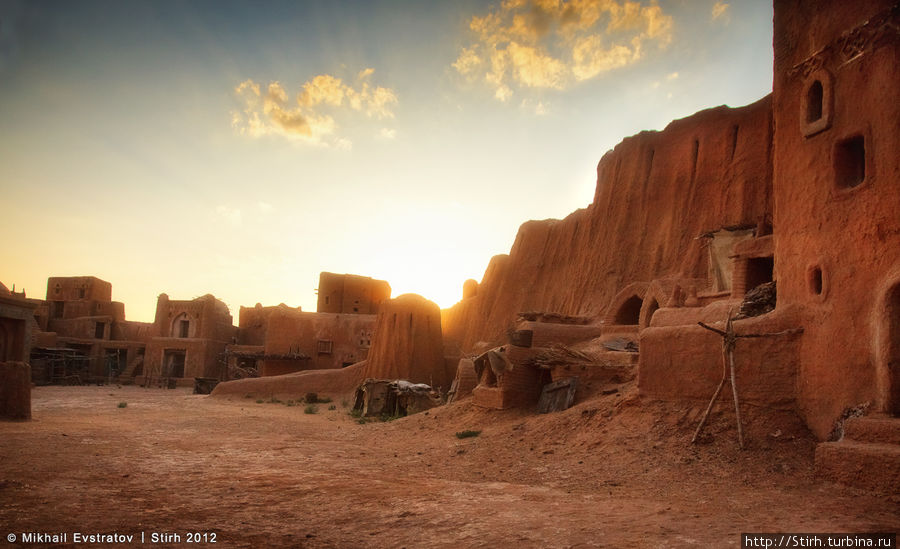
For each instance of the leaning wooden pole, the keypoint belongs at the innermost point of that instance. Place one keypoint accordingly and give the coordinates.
(715, 396)
(729, 344)
(729, 339)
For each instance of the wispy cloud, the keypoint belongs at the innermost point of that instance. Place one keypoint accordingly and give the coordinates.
(553, 44)
(720, 11)
(229, 214)
(310, 115)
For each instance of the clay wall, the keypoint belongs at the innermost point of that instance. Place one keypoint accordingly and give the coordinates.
(199, 328)
(656, 193)
(350, 294)
(77, 288)
(131, 331)
(684, 361)
(15, 391)
(330, 340)
(15, 328)
(409, 343)
(253, 322)
(836, 198)
(202, 357)
(204, 317)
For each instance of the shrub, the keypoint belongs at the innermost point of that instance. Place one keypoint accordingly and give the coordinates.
(467, 434)
(123, 404)
(310, 409)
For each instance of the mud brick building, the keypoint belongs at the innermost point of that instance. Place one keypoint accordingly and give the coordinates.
(801, 188)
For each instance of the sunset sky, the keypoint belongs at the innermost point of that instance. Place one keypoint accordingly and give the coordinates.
(240, 148)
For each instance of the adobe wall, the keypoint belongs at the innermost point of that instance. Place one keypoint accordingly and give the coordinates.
(350, 294)
(656, 193)
(409, 343)
(207, 318)
(837, 235)
(15, 327)
(74, 288)
(253, 322)
(203, 357)
(346, 339)
(15, 391)
(684, 361)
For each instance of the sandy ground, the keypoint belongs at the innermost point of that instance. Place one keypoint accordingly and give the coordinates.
(610, 472)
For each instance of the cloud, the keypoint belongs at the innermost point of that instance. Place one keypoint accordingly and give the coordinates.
(309, 116)
(388, 133)
(231, 215)
(720, 11)
(264, 207)
(553, 44)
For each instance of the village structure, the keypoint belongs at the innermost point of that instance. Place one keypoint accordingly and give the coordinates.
(763, 240)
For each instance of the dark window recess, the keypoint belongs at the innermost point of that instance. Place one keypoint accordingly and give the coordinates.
(734, 140)
(815, 281)
(183, 327)
(58, 307)
(630, 311)
(326, 300)
(850, 162)
(175, 361)
(759, 271)
(80, 293)
(814, 96)
(99, 328)
(324, 347)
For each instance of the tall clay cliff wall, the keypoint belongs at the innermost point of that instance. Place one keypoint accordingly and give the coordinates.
(656, 193)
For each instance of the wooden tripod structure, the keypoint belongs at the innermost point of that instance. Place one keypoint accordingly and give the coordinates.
(729, 339)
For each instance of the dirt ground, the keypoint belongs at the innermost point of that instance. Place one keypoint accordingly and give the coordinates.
(610, 472)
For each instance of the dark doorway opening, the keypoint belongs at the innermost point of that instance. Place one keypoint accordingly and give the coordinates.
(174, 363)
(630, 311)
(760, 270)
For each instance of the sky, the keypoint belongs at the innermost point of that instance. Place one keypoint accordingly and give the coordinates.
(241, 148)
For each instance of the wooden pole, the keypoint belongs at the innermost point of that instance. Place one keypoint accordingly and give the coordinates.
(729, 339)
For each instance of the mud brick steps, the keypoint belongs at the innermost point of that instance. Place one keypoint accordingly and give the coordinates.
(868, 455)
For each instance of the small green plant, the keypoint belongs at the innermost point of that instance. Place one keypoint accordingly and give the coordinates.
(325, 400)
(362, 421)
(310, 409)
(259, 401)
(289, 403)
(467, 434)
(356, 413)
(274, 400)
(332, 407)
(389, 417)
(123, 404)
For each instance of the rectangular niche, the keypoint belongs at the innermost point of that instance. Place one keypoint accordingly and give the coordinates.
(850, 162)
